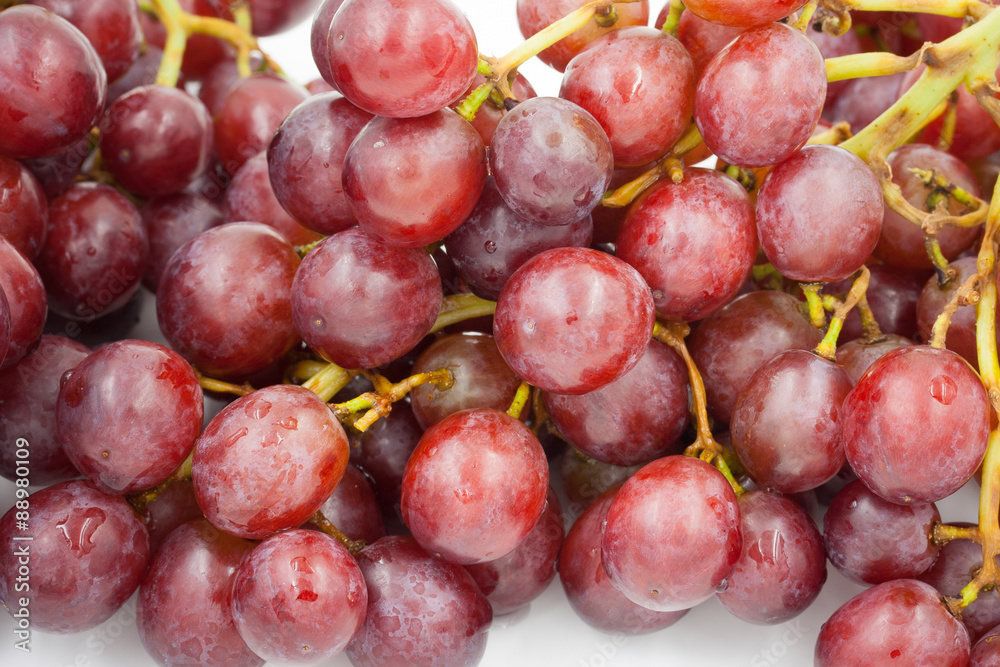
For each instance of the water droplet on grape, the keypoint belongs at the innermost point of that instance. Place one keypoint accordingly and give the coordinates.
(491, 247)
(257, 409)
(944, 389)
(301, 564)
(231, 440)
(92, 251)
(79, 530)
(290, 423)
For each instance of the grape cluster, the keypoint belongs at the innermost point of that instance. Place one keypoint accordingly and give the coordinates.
(431, 340)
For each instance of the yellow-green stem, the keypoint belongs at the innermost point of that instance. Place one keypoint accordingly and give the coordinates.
(325, 525)
(328, 381)
(814, 303)
(673, 18)
(222, 387)
(876, 63)
(520, 400)
(460, 307)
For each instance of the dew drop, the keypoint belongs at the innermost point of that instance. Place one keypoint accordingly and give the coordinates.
(231, 440)
(301, 564)
(290, 423)
(257, 409)
(491, 247)
(944, 389)
(91, 251)
(79, 530)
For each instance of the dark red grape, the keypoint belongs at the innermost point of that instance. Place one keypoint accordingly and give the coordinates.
(731, 344)
(914, 629)
(857, 355)
(783, 72)
(585, 479)
(270, 17)
(475, 486)
(319, 36)
(368, 328)
(786, 425)
(590, 593)
(298, 597)
(835, 46)
(268, 460)
(144, 400)
(224, 300)
(306, 157)
(782, 566)
(383, 452)
(534, 15)
(672, 534)
(639, 85)
(142, 73)
(899, 460)
(52, 80)
(422, 611)
(863, 100)
(111, 26)
(249, 115)
(171, 508)
(738, 13)
(961, 336)
(250, 198)
(171, 222)
(514, 580)
(494, 241)
(183, 613)
(892, 295)
(95, 252)
(58, 172)
(571, 320)
(957, 563)
(156, 140)
(428, 46)
(871, 540)
(634, 419)
(27, 303)
(353, 508)
(986, 651)
(693, 242)
(551, 160)
(24, 211)
(88, 552)
(703, 39)
(819, 214)
(412, 181)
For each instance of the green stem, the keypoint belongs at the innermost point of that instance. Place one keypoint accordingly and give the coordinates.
(956, 8)
(470, 105)
(520, 400)
(673, 19)
(325, 525)
(327, 382)
(460, 307)
(876, 63)
(814, 303)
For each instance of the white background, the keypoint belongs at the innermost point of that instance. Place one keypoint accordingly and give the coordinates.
(549, 634)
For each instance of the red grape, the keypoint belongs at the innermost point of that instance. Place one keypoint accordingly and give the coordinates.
(270, 17)
(961, 336)
(857, 355)
(319, 36)
(353, 508)
(171, 222)
(24, 211)
(739, 13)
(171, 508)
(703, 39)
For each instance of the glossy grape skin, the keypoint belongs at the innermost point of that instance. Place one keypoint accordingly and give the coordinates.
(45, 53)
(745, 14)
(173, 507)
(249, 115)
(156, 140)
(703, 39)
(639, 85)
(633, 420)
(986, 651)
(758, 65)
(493, 242)
(863, 100)
(897, 461)
(383, 452)
(961, 336)
(224, 300)
(533, 16)
(111, 26)
(514, 580)
(268, 460)
(730, 345)
(915, 629)
(693, 242)
(353, 508)
(585, 479)
(95, 252)
(475, 486)
(250, 198)
(27, 303)
(782, 565)
(319, 36)
(428, 45)
(271, 17)
(367, 329)
(489, 114)
(819, 214)
(871, 540)
(672, 534)
(957, 563)
(590, 593)
(412, 181)
(305, 161)
(901, 243)
(88, 553)
(58, 172)
(142, 73)
(422, 611)
(24, 211)
(571, 320)
(786, 424)
(144, 400)
(171, 222)
(482, 378)
(183, 612)
(551, 161)
(298, 597)
(857, 356)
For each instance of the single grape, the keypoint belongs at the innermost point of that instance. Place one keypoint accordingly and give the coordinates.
(111, 26)
(88, 552)
(896, 459)
(475, 486)
(737, 13)
(268, 460)
(270, 17)
(571, 320)
(353, 508)
(672, 534)
(986, 651)
(782, 566)
(428, 46)
(24, 211)
(703, 39)
(171, 508)
(585, 479)
(171, 222)
(368, 328)
(298, 597)
(319, 36)
(693, 242)
(961, 335)
(863, 100)
(383, 451)
(857, 356)
(59, 171)
(760, 97)
(27, 303)
(142, 73)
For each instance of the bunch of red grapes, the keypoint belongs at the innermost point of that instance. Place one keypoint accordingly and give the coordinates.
(326, 227)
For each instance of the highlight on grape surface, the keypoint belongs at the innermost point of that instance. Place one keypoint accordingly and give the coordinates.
(350, 370)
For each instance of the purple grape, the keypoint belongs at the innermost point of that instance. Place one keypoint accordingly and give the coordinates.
(171, 222)
(857, 356)
(27, 303)
(24, 211)
(353, 507)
